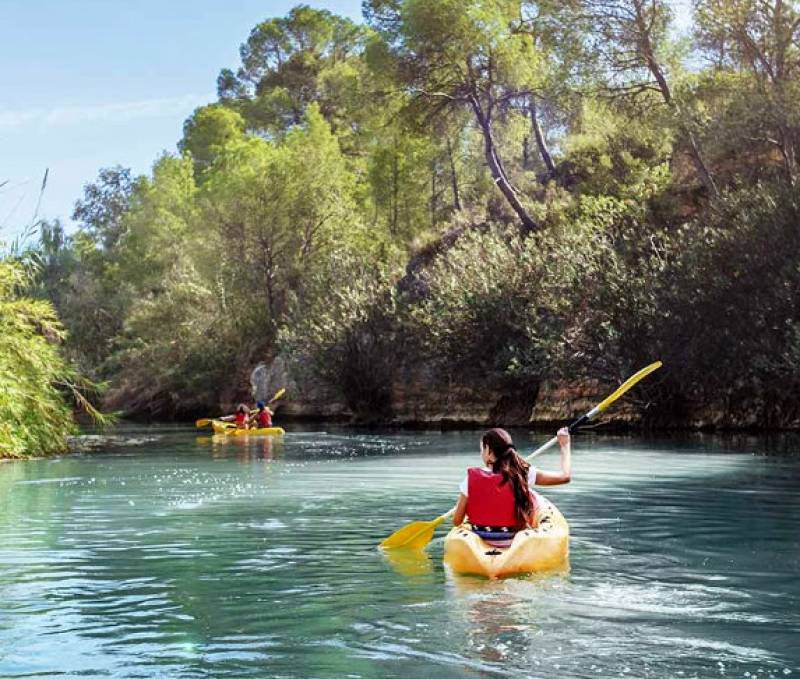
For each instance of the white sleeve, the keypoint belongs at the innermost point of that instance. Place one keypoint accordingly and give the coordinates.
(532, 476)
(463, 486)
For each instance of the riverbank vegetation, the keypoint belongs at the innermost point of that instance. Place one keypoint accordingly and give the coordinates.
(502, 191)
(39, 390)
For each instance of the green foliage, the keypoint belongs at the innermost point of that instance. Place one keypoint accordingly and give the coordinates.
(275, 210)
(176, 349)
(757, 44)
(732, 291)
(158, 227)
(35, 416)
(715, 299)
(655, 189)
(103, 206)
(206, 276)
(309, 57)
(80, 273)
(208, 130)
(346, 333)
(480, 317)
(399, 178)
(612, 153)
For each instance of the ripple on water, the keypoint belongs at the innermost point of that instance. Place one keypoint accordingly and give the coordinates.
(194, 560)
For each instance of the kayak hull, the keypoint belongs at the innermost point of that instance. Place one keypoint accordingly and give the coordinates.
(535, 550)
(229, 429)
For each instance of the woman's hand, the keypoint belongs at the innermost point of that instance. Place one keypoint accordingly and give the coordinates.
(565, 475)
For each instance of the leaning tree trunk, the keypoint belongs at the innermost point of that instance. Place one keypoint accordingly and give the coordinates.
(646, 51)
(496, 167)
(541, 142)
(453, 176)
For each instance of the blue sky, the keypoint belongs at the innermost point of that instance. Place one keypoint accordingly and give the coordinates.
(88, 84)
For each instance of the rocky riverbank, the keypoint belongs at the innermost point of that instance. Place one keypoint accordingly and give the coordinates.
(420, 397)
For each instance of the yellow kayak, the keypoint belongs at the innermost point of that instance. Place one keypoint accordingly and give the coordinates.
(544, 548)
(230, 429)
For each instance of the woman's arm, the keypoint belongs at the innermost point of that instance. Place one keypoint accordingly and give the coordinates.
(555, 478)
(461, 510)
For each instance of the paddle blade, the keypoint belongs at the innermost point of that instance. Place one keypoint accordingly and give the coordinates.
(627, 384)
(408, 562)
(203, 423)
(413, 535)
(278, 394)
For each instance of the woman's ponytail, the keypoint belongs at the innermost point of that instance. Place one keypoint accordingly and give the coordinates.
(514, 470)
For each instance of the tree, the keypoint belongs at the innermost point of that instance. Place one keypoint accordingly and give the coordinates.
(309, 56)
(452, 55)
(400, 169)
(207, 130)
(761, 39)
(275, 209)
(158, 224)
(631, 35)
(103, 205)
(92, 300)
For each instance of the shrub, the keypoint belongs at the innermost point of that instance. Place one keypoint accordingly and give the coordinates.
(35, 416)
(344, 331)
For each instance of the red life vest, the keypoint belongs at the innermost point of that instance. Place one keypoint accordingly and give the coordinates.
(240, 419)
(264, 419)
(489, 503)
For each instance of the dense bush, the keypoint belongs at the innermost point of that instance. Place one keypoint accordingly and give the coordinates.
(481, 315)
(730, 297)
(348, 333)
(716, 299)
(35, 413)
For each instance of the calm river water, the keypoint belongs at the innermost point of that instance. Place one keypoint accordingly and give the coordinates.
(190, 558)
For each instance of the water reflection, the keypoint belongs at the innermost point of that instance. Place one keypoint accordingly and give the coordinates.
(504, 617)
(410, 563)
(244, 448)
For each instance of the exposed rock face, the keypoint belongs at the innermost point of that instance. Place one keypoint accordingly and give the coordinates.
(422, 397)
(306, 398)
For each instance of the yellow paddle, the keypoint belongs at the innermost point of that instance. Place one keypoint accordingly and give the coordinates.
(417, 534)
(204, 422)
(278, 394)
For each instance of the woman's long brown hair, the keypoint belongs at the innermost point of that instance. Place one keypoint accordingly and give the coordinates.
(513, 468)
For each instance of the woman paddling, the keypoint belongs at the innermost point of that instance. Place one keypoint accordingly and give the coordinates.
(497, 498)
(262, 417)
(241, 417)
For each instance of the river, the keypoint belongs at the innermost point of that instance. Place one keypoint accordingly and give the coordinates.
(187, 557)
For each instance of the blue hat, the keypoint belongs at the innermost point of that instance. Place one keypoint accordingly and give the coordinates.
(259, 404)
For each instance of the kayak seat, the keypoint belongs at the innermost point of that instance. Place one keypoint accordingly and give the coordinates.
(494, 535)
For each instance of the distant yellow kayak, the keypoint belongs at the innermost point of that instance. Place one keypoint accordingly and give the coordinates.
(230, 429)
(544, 548)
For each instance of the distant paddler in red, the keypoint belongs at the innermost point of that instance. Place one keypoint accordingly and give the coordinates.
(241, 417)
(261, 417)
